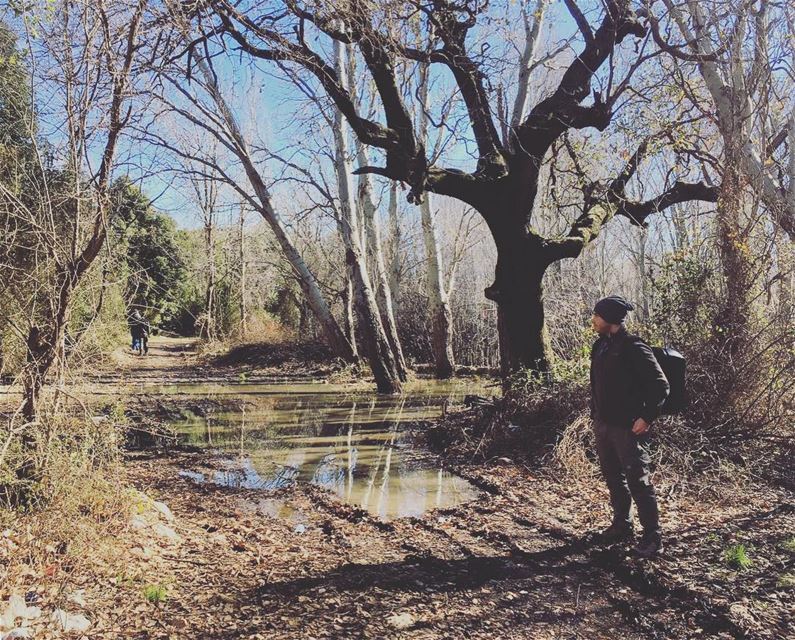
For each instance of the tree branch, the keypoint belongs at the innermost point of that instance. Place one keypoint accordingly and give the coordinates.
(679, 192)
(675, 50)
(579, 18)
(562, 110)
(367, 131)
(588, 226)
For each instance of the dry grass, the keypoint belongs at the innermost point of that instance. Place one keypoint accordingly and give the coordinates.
(68, 516)
(550, 425)
(572, 455)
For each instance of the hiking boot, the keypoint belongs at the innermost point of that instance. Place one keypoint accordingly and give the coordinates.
(616, 532)
(649, 546)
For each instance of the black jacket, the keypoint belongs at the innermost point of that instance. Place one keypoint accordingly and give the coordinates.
(139, 327)
(626, 380)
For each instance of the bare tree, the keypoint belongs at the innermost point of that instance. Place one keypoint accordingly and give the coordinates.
(504, 185)
(371, 232)
(395, 239)
(441, 316)
(380, 353)
(735, 49)
(200, 103)
(88, 58)
(242, 271)
(732, 46)
(204, 186)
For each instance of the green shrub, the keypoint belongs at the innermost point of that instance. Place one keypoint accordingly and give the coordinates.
(736, 557)
(155, 593)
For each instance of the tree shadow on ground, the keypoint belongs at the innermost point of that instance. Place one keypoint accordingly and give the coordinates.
(429, 573)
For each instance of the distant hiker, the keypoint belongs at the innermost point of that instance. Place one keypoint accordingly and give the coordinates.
(139, 330)
(628, 388)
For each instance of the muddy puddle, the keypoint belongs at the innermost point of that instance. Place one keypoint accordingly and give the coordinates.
(351, 443)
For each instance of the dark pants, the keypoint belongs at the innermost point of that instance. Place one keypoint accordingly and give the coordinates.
(625, 467)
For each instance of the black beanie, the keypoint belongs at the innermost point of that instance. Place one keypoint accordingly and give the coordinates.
(613, 309)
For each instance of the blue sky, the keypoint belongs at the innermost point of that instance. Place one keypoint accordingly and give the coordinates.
(278, 104)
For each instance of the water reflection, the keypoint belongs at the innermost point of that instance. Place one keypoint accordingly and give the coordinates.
(350, 444)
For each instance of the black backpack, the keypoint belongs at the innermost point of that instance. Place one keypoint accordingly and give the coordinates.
(673, 365)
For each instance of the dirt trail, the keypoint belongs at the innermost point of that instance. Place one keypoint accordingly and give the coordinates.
(173, 360)
(169, 359)
(298, 563)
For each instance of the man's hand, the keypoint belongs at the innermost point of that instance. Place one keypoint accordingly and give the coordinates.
(640, 427)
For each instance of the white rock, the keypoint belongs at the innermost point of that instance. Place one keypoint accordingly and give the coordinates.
(69, 622)
(163, 510)
(401, 620)
(142, 552)
(219, 539)
(78, 597)
(139, 522)
(17, 608)
(19, 632)
(165, 532)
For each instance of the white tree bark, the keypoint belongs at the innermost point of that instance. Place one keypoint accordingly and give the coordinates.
(441, 316)
(395, 235)
(372, 229)
(239, 145)
(532, 29)
(376, 343)
(347, 306)
(370, 237)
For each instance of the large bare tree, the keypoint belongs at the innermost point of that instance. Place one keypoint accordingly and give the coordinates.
(87, 64)
(505, 182)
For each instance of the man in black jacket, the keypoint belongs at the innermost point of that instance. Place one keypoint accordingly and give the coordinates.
(628, 389)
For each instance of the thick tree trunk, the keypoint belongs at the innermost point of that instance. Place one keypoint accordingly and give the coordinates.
(522, 260)
(524, 343)
(441, 316)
